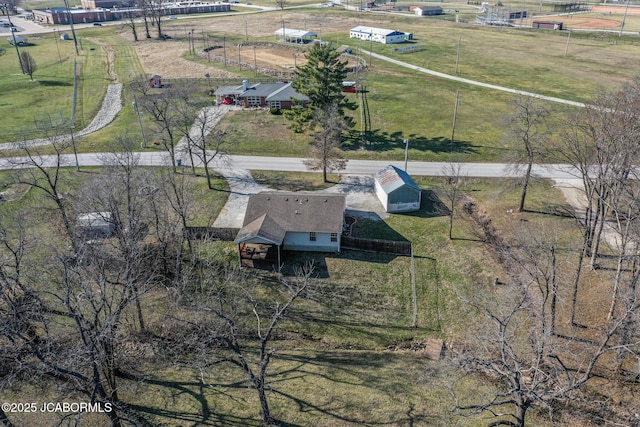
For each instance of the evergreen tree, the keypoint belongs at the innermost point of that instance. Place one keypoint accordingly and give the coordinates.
(321, 80)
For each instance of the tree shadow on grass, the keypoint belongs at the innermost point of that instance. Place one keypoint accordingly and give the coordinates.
(53, 83)
(196, 390)
(554, 209)
(378, 141)
(361, 368)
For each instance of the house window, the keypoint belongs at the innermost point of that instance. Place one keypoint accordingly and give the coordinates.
(334, 237)
(312, 236)
(253, 100)
(276, 104)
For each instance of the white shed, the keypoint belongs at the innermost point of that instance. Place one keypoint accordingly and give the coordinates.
(96, 224)
(396, 190)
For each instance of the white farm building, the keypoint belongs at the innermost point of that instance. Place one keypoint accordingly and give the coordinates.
(396, 190)
(377, 35)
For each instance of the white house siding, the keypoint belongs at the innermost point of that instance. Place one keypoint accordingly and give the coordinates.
(299, 241)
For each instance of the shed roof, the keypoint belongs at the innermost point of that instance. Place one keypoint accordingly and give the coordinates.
(95, 219)
(298, 211)
(391, 178)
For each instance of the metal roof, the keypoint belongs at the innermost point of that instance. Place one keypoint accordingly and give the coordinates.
(291, 33)
(391, 178)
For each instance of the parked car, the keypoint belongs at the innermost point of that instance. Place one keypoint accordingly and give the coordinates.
(14, 29)
(97, 24)
(227, 101)
(173, 17)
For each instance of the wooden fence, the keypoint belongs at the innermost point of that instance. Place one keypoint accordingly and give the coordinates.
(212, 233)
(377, 245)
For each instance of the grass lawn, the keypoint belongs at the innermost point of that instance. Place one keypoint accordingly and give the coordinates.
(47, 101)
(342, 355)
(403, 103)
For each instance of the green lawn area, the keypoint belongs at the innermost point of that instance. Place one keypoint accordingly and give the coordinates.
(344, 354)
(402, 102)
(47, 101)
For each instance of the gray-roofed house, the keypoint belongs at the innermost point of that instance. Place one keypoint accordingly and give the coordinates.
(396, 190)
(273, 95)
(295, 221)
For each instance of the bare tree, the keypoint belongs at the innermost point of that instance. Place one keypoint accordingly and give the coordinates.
(452, 188)
(532, 367)
(196, 121)
(231, 300)
(130, 17)
(281, 4)
(164, 109)
(600, 142)
(64, 323)
(28, 64)
(327, 141)
(45, 174)
(526, 124)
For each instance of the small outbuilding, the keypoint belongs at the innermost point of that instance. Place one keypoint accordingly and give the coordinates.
(155, 81)
(547, 25)
(427, 10)
(96, 224)
(397, 191)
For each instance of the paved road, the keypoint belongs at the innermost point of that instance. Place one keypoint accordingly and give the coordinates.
(354, 167)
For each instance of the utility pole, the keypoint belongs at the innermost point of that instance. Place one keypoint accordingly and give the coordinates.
(135, 107)
(455, 114)
(5, 6)
(255, 61)
(624, 19)
(566, 48)
(458, 52)
(73, 31)
(406, 153)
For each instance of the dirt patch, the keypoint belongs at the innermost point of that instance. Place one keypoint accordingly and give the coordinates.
(616, 10)
(164, 57)
(590, 23)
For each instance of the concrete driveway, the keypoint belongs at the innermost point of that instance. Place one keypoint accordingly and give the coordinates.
(361, 199)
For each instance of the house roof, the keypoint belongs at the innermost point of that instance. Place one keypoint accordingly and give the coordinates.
(297, 211)
(391, 178)
(271, 91)
(285, 93)
(263, 228)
